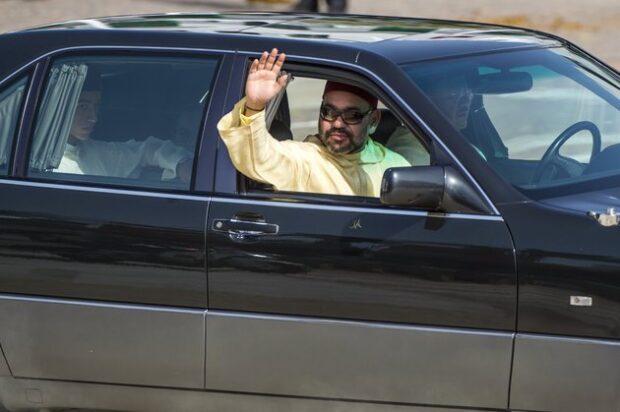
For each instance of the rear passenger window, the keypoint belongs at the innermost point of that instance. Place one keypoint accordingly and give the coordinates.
(11, 99)
(129, 121)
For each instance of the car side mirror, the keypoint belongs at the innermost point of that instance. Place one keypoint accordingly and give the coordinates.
(432, 188)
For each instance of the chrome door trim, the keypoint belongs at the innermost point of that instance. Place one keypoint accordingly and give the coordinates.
(355, 209)
(100, 304)
(95, 189)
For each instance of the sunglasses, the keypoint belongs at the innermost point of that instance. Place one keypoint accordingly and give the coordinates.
(349, 116)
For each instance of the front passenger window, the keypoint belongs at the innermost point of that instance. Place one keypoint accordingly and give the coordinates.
(302, 99)
(303, 119)
(121, 120)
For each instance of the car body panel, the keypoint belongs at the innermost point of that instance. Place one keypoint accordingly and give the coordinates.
(99, 244)
(565, 253)
(565, 374)
(36, 393)
(357, 360)
(71, 340)
(365, 263)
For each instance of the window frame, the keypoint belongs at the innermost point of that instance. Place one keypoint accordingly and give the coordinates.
(203, 168)
(28, 75)
(514, 192)
(230, 183)
(322, 72)
(32, 72)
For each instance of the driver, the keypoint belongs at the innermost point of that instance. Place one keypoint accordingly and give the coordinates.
(84, 155)
(453, 96)
(341, 159)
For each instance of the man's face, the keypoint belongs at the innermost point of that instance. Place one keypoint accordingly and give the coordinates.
(85, 115)
(454, 97)
(338, 136)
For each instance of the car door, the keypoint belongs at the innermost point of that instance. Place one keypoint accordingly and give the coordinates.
(102, 265)
(345, 299)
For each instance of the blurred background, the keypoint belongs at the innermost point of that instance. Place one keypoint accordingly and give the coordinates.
(593, 25)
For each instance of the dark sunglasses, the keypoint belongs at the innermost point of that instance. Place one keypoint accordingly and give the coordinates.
(349, 116)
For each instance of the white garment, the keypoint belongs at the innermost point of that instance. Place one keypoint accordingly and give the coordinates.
(122, 159)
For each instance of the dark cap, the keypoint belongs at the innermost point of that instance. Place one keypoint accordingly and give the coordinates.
(343, 87)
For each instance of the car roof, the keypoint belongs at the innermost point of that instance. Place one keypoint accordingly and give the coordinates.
(398, 39)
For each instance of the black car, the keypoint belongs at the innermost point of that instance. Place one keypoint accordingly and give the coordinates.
(155, 277)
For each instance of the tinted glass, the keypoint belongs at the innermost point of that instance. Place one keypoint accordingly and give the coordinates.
(11, 99)
(129, 121)
(543, 119)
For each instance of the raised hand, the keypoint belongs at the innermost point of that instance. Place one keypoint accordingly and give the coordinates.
(264, 80)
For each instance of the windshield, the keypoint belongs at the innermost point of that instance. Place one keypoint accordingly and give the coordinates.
(544, 119)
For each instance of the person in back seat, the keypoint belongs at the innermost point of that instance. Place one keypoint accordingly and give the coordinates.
(340, 159)
(84, 155)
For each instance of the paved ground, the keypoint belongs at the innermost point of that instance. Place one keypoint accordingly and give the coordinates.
(594, 25)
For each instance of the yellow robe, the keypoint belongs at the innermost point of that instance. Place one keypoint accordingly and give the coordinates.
(302, 166)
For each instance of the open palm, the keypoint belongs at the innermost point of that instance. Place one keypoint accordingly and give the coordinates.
(264, 80)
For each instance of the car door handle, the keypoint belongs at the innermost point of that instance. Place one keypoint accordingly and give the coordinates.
(240, 229)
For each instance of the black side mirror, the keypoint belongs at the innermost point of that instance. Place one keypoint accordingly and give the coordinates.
(432, 188)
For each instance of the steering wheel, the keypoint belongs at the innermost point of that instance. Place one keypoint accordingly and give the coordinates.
(552, 154)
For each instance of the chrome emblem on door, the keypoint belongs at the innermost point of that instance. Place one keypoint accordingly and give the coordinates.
(581, 301)
(356, 224)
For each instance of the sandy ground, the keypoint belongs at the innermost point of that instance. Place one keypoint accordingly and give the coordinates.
(594, 25)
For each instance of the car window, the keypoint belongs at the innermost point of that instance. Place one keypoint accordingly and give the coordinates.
(295, 115)
(11, 99)
(129, 121)
(550, 90)
(547, 120)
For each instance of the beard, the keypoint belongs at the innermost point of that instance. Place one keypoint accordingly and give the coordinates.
(339, 141)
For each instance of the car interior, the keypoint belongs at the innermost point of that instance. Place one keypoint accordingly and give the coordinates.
(143, 99)
(280, 129)
(552, 166)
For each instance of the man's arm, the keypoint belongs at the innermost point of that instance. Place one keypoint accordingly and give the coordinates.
(167, 156)
(122, 158)
(253, 151)
(257, 154)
